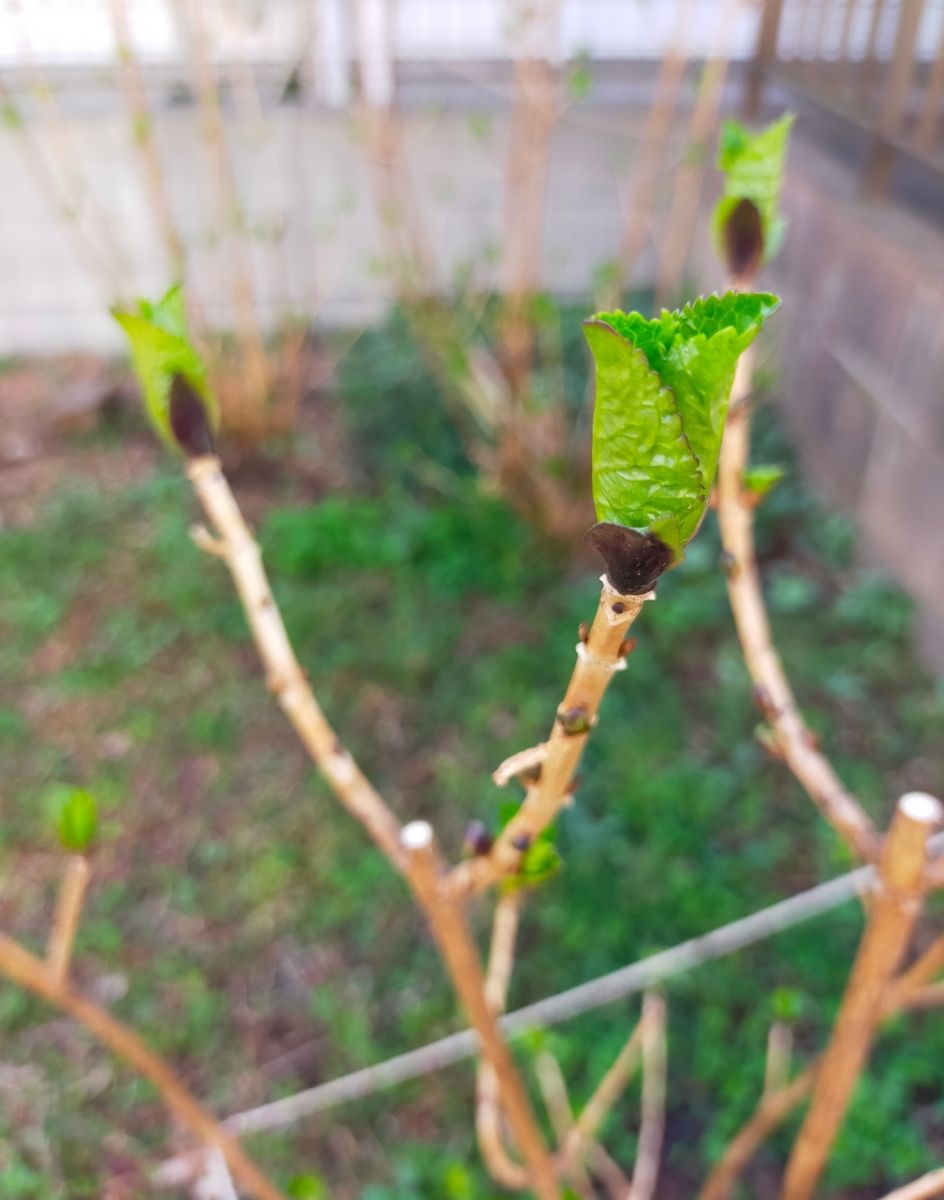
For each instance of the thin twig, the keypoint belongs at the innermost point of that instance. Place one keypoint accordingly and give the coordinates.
(34, 975)
(488, 1119)
(794, 740)
(655, 134)
(419, 862)
(607, 1092)
(458, 951)
(890, 922)
(773, 1110)
(534, 115)
(232, 221)
(652, 1122)
(598, 658)
(143, 133)
(908, 991)
(925, 1188)
(554, 1093)
(683, 210)
(586, 997)
(779, 1054)
(66, 920)
(285, 677)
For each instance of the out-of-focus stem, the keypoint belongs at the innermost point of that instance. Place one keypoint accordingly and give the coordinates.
(36, 976)
(66, 920)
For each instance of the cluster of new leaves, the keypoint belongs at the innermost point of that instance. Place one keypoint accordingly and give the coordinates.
(662, 391)
(747, 223)
(177, 393)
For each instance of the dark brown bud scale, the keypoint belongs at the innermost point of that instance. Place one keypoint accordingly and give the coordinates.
(634, 561)
(478, 840)
(521, 842)
(744, 240)
(188, 419)
(574, 720)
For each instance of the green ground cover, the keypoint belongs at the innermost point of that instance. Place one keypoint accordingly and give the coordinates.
(241, 921)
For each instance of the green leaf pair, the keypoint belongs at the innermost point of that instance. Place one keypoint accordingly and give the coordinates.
(747, 224)
(662, 391)
(177, 393)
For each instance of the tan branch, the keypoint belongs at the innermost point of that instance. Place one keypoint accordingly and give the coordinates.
(452, 935)
(888, 929)
(598, 1107)
(683, 210)
(488, 1118)
(779, 1054)
(652, 1123)
(772, 1111)
(794, 740)
(557, 1102)
(285, 676)
(410, 850)
(655, 134)
(775, 1106)
(598, 658)
(142, 125)
(232, 220)
(67, 916)
(913, 979)
(925, 1188)
(31, 973)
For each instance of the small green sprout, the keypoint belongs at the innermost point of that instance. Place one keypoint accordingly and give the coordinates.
(76, 817)
(747, 224)
(177, 392)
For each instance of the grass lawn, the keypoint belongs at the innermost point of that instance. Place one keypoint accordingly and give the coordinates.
(242, 923)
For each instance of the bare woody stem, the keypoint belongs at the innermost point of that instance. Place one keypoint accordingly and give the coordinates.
(67, 916)
(557, 1102)
(488, 1117)
(411, 851)
(907, 991)
(31, 973)
(771, 1112)
(925, 1188)
(652, 1122)
(793, 738)
(601, 654)
(607, 1092)
(894, 911)
(155, 180)
(451, 932)
(285, 677)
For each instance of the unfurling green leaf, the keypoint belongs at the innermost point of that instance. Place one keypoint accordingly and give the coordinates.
(540, 858)
(748, 227)
(763, 478)
(76, 818)
(662, 390)
(162, 353)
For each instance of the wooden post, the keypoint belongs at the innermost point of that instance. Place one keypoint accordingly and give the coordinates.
(332, 65)
(896, 905)
(768, 34)
(895, 96)
(927, 126)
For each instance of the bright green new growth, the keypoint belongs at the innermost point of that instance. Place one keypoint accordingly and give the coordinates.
(160, 349)
(76, 819)
(752, 164)
(763, 478)
(662, 391)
